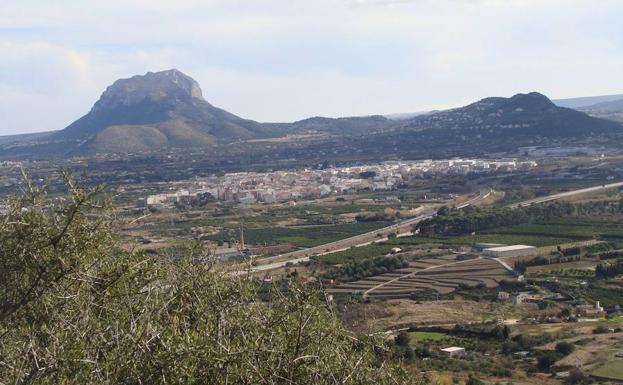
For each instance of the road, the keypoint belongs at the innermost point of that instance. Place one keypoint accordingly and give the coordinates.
(304, 255)
(565, 194)
(298, 256)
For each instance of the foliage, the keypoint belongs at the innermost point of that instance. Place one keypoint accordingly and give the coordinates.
(355, 253)
(609, 270)
(546, 359)
(478, 219)
(402, 339)
(299, 236)
(359, 269)
(565, 348)
(521, 266)
(577, 377)
(473, 380)
(75, 310)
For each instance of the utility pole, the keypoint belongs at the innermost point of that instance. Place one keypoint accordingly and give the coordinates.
(242, 233)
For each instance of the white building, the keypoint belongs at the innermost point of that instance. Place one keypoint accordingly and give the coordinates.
(454, 351)
(510, 251)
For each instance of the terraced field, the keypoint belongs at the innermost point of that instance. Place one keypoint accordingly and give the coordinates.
(441, 274)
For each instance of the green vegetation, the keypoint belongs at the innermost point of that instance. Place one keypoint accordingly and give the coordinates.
(427, 336)
(489, 237)
(565, 348)
(302, 237)
(355, 254)
(75, 309)
(608, 296)
(358, 269)
(535, 220)
(612, 370)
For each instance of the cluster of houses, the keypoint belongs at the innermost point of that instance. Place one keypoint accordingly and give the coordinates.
(283, 186)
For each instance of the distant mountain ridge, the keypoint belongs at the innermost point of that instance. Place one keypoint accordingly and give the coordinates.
(167, 110)
(611, 110)
(585, 101)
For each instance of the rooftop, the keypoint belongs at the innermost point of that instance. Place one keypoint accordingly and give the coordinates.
(452, 349)
(510, 248)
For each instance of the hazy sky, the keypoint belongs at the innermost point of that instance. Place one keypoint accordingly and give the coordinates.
(283, 60)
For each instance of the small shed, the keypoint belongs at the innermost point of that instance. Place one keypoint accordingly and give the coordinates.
(454, 351)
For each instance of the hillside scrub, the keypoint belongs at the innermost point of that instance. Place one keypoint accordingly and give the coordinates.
(76, 309)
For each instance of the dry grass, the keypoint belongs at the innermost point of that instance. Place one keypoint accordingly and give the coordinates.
(393, 314)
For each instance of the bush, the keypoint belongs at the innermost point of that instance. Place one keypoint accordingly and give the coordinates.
(402, 339)
(473, 380)
(565, 348)
(77, 309)
(546, 360)
(577, 377)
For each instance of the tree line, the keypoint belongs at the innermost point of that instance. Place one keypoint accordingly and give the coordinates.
(474, 219)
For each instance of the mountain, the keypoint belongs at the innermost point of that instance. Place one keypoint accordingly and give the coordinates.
(522, 115)
(340, 126)
(148, 113)
(491, 125)
(612, 110)
(155, 110)
(585, 101)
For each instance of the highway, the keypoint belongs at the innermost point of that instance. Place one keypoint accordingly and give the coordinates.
(298, 256)
(554, 197)
(294, 257)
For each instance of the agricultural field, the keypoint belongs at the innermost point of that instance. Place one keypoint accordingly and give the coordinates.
(356, 253)
(378, 316)
(583, 267)
(427, 336)
(569, 228)
(441, 275)
(301, 236)
(488, 237)
(612, 370)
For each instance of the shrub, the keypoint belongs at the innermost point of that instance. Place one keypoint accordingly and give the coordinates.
(565, 348)
(77, 309)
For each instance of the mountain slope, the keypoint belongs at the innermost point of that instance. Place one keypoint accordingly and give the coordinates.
(522, 115)
(612, 110)
(156, 110)
(166, 110)
(578, 103)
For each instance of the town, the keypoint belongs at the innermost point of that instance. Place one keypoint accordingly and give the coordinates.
(283, 186)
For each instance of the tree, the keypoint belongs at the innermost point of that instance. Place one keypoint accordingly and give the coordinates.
(506, 332)
(402, 339)
(545, 361)
(565, 348)
(77, 309)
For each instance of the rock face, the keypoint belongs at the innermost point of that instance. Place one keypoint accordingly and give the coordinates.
(161, 109)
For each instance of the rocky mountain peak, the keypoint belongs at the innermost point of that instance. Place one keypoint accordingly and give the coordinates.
(170, 85)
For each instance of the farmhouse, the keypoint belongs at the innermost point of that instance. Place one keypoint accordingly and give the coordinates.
(510, 251)
(519, 298)
(503, 296)
(454, 351)
(590, 311)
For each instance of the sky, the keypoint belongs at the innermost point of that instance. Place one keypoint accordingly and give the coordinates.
(285, 60)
